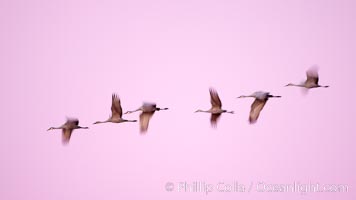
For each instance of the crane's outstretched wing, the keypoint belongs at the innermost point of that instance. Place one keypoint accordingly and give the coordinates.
(144, 121)
(312, 76)
(214, 99)
(214, 119)
(116, 109)
(256, 108)
(66, 134)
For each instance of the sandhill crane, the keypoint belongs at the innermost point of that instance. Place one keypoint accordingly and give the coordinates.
(312, 79)
(68, 128)
(116, 112)
(148, 109)
(260, 100)
(216, 108)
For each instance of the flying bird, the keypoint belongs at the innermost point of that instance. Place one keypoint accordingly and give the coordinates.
(147, 111)
(116, 112)
(216, 108)
(312, 80)
(260, 100)
(68, 128)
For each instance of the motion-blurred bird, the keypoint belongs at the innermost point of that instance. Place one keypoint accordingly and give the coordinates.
(216, 108)
(116, 112)
(147, 111)
(312, 79)
(68, 128)
(260, 100)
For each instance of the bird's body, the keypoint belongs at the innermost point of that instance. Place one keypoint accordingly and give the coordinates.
(116, 112)
(68, 128)
(261, 95)
(147, 111)
(147, 107)
(312, 80)
(216, 107)
(261, 99)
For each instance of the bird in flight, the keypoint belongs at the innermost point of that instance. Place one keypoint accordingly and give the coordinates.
(68, 128)
(261, 99)
(147, 111)
(312, 80)
(116, 112)
(216, 108)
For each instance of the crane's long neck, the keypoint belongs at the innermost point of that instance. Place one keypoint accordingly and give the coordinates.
(246, 96)
(207, 111)
(100, 122)
(52, 128)
(296, 85)
(128, 112)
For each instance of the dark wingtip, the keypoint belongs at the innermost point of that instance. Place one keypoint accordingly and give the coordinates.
(212, 90)
(214, 125)
(143, 131)
(115, 96)
(251, 121)
(65, 142)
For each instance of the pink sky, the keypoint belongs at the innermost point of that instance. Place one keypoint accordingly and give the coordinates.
(66, 58)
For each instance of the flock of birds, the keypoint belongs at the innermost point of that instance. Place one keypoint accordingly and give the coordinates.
(148, 109)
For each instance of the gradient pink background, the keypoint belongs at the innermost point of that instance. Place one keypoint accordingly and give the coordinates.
(66, 58)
